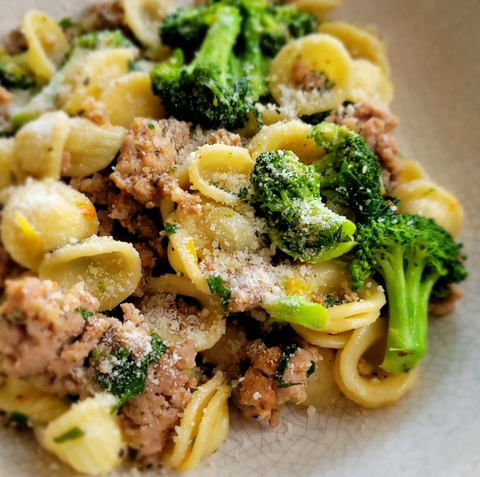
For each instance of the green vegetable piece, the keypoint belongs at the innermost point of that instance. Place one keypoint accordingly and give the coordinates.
(15, 73)
(170, 228)
(288, 353)
(86, 315)
(217, 287)
(298, 311)
(331, 301)
(70, 435)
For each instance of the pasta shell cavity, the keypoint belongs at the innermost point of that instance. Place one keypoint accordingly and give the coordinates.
(87, 437)
(47, 44)
(287, 136)
(204, 425)
(111, 270)
(39, 146)
(367, 389)
(42, 216)
(220, 171)
(20, 396)
(90, 147)
(175, 321)
(320, 55)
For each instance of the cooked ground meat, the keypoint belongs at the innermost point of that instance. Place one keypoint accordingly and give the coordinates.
(375, 123)
(222, 136)
(149, 150)
(96, 188)
(106, 224)
(170, 188)
(149, 418)
(95, 111)
(16, 42)
(105, 16)
(447, 305)
(307, 79)
(259, 393)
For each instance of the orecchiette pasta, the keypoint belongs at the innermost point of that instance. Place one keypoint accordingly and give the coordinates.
(360, 42)
(320, 8)
(412, 170)
(94, 75)
(131, 97)
(46, 136)
(291, 135)
(7, 175)
(20, 396)
(203, 427)
(218, 171)
(90, 147)
(47, 44)
(366, 389)
(143, 18)
(205, 328)
(322, 339)
(321, 54)
(111, 270)
(424, 197)
(42, 216)
(88, 436)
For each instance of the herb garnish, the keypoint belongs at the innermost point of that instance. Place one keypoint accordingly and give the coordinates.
(73, 433)
(217, 287)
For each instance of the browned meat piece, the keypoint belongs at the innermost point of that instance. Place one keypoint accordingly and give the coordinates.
(170, 189)
(149, 418)
(105, 16)
(105, 228)
(222, 136)
(375, 124)
(306, 78)
(95, 111)
(96, 188)
(260, 394)
(16, 42)
(148, 150)
(447, 305)
(5, 96)
(123, 207)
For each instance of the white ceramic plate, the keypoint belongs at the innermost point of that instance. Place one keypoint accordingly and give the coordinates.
(434, 49)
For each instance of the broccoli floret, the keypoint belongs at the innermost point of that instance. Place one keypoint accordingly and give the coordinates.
(205, 92)
(287, 194)
(415, 257)
(350, 173)
(99, 40)
(15, 73)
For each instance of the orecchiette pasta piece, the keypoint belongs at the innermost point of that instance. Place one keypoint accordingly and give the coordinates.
(424, 197)
(20, 396)
(219, 171)
(322, 390)
(47, 44)
(90, 147)
(287, 136)
(41, 216)
(204, 425)
(143, 18)
(88, 436)
(111, 270)
(320, 55)
(131, 97)
(369, 83)
(94, 75)
(205, 328)
(412, 170)
(360, 42)
(366, 389)
(322, 339)
(320, 8)
(39, 146)
(7, 174)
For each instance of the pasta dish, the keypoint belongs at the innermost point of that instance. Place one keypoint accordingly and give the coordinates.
(205, 207)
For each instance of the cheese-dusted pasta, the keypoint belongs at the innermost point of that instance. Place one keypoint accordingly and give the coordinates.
(18, 396)
(89, 147)
(46, 43)
(87, 437)
(206, 207)
(424, 197)
(41, 216)
(47, 136)
(110, 269)
(312, 74)
(131, 97)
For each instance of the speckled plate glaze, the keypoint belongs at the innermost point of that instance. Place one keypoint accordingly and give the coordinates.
(434, 49)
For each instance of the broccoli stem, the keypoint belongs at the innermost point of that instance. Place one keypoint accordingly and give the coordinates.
(408, 294)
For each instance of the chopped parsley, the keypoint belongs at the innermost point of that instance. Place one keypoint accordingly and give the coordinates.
(170, 228)
(86, 315)
(217, 287)
(311, 369)
(288, 353)
(151, 126)
(73, 433)
(67, 23)
(331, 301)
(18, 418)
(127, 377)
